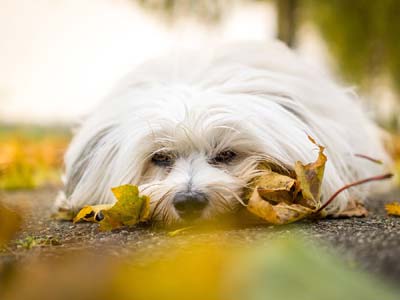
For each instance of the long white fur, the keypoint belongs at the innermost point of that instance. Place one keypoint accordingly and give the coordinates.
(260, 100)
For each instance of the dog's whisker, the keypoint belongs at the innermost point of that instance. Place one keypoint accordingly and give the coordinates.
(235, 195)
(224, 202)
(160, 202)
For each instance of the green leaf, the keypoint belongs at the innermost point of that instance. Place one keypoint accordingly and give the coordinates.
(129, 209)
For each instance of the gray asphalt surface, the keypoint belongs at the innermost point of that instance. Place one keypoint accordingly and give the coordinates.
(371, 243)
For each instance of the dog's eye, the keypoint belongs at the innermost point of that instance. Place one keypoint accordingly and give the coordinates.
(162, 159)
(224, 157)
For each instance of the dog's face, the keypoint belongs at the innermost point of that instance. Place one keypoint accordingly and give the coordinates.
(198, 170)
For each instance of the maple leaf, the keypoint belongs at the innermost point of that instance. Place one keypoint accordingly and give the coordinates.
(130, 209)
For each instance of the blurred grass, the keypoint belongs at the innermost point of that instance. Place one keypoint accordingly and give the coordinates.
(31, 156)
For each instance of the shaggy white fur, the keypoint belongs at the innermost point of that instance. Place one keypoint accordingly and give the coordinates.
(254, 102)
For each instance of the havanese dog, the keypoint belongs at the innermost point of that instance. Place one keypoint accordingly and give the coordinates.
(191, 131)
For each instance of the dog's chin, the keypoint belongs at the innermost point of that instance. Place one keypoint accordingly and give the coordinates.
(211, 215)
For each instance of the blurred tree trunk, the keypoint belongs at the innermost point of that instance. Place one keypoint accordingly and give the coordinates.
(287, 20)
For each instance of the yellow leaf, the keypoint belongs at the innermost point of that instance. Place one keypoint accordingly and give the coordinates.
(393, 209)
(10, 223)
(129, 209)
(91, 213)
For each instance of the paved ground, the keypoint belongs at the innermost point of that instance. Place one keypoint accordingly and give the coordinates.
(371, 243)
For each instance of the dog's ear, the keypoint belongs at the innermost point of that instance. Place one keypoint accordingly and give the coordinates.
(80, 164)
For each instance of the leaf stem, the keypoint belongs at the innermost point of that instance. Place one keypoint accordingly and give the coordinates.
(362, 181)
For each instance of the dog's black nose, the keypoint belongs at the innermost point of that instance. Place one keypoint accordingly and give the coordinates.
(189, 205)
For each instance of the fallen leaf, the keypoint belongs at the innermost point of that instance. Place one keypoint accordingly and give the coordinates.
(92, 213)
(393, 209)
(280, 199)
(281, 213)
(276, 187)
(309, 179)
(10, 222)
(129, 209)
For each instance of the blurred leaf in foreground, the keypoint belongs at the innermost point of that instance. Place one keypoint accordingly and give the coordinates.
(28, 158)
(10, 223)
(393, 209)
(295, 269)
(198, 269)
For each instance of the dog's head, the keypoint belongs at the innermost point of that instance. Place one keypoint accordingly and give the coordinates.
(198, 160)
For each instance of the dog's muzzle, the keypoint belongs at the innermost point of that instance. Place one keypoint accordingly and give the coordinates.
(190, 205)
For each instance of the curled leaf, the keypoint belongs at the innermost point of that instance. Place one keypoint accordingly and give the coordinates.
(92, 213)
(280, 199)
(309, 179)
(281, 213)
(276, 187)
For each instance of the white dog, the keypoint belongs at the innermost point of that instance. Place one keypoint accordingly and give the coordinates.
(191, 130)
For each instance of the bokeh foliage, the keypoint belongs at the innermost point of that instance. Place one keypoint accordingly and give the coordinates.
(206, 10)
(30, 156)
(362, 35)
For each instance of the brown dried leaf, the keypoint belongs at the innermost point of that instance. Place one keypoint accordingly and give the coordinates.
(280, 199)
(281, 213)
(309, 179)
(276, 188)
